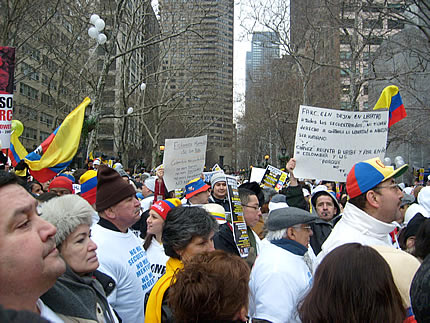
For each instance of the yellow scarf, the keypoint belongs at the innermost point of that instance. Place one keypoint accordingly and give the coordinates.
(153, 308)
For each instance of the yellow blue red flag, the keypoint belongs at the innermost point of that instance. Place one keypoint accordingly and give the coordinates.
(390, 99)
(57, 151)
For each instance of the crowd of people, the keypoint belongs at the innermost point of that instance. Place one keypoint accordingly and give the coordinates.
(103, 245)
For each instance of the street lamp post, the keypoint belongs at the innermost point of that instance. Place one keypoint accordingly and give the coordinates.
(283, 158)
(266, 160)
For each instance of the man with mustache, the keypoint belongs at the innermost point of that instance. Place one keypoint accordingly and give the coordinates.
(374, 204)
(29, 260)
(120, 252)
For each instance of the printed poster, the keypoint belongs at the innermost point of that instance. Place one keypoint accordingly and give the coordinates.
(274, 178)
(236, 218)
(7, 68)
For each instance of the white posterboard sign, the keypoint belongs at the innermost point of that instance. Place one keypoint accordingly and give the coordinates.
(257, 174)
(329, 142)
(184, 159)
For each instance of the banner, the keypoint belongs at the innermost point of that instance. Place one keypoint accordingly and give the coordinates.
(236, 219)
(329, 142)
(274, 178)
(7, 68)
(184, 159)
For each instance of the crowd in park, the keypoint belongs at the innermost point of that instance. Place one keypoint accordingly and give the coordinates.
(101, 244)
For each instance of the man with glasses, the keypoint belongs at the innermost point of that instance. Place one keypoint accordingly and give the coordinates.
(224, 239)
(281, 275)
(374, 204)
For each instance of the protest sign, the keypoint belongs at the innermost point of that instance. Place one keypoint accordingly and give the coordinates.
(216, 168)
(236, 218)
(208, 175)
(329, 142)
(184, 159)
(257, 174)
(274, 178)
(7, 67)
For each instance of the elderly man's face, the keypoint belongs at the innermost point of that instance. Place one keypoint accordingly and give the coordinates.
(29, 259)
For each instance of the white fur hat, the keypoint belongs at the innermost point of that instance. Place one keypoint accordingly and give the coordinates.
(66, 213)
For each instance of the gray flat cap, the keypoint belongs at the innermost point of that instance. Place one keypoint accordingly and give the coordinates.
(287, 217)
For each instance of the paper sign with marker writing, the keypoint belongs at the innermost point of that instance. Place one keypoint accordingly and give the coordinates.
(329, 142)
(184, 159)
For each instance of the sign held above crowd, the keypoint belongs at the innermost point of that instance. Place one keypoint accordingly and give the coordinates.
(184, 160)
(331, 141)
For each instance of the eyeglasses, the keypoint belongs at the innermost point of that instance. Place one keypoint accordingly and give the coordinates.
(256, 208)
(306, 227)
(393, 186)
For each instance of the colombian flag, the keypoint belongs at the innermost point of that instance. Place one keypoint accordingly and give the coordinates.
(390, 99)
(57, 151)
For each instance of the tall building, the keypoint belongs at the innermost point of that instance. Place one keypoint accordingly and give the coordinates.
(264, 49)
(341, 37)
(198, 68)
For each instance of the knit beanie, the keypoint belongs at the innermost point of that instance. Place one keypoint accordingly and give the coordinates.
(61, 182)
(88, 182)
(150, 183)
(163, 207)
(217, 177)
(66, 213)
(111, 188)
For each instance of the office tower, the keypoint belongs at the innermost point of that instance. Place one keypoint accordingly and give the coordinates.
(264, 49)
(198, 68)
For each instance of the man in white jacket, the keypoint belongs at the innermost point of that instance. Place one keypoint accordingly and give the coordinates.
(374, 204)
(281, 275)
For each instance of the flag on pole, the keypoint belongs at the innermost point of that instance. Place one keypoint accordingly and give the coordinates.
(390, 99)
(57, 151)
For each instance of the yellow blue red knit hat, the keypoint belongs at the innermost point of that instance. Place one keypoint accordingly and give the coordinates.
(88, 182)
(164, 206)
(194, 187)
(365, 175)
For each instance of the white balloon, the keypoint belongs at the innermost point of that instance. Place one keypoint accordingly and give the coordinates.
(101, 39)
(130, 110)
(100, 24)
(93, 32)
(143, 87)
(94, 18)
(399, 161)
(387, 161)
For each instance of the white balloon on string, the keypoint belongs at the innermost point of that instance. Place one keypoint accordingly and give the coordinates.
(99, 24)
(94, 18)
(101, 39)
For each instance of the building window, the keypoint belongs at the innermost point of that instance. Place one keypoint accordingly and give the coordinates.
(28, 91)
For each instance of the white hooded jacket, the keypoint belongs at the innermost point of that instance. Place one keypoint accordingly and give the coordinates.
(357, 226)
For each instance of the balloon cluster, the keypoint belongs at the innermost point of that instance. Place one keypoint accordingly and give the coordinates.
(95, 30)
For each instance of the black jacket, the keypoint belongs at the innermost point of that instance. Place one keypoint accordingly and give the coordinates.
(225, 203)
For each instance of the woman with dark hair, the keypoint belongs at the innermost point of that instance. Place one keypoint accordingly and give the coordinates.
(212, 287)
(34, 188)
(187, 231)
(353, 284)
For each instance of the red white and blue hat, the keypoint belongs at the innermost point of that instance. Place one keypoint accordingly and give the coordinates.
(194, 187)
(365, 175)
(164, 206)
